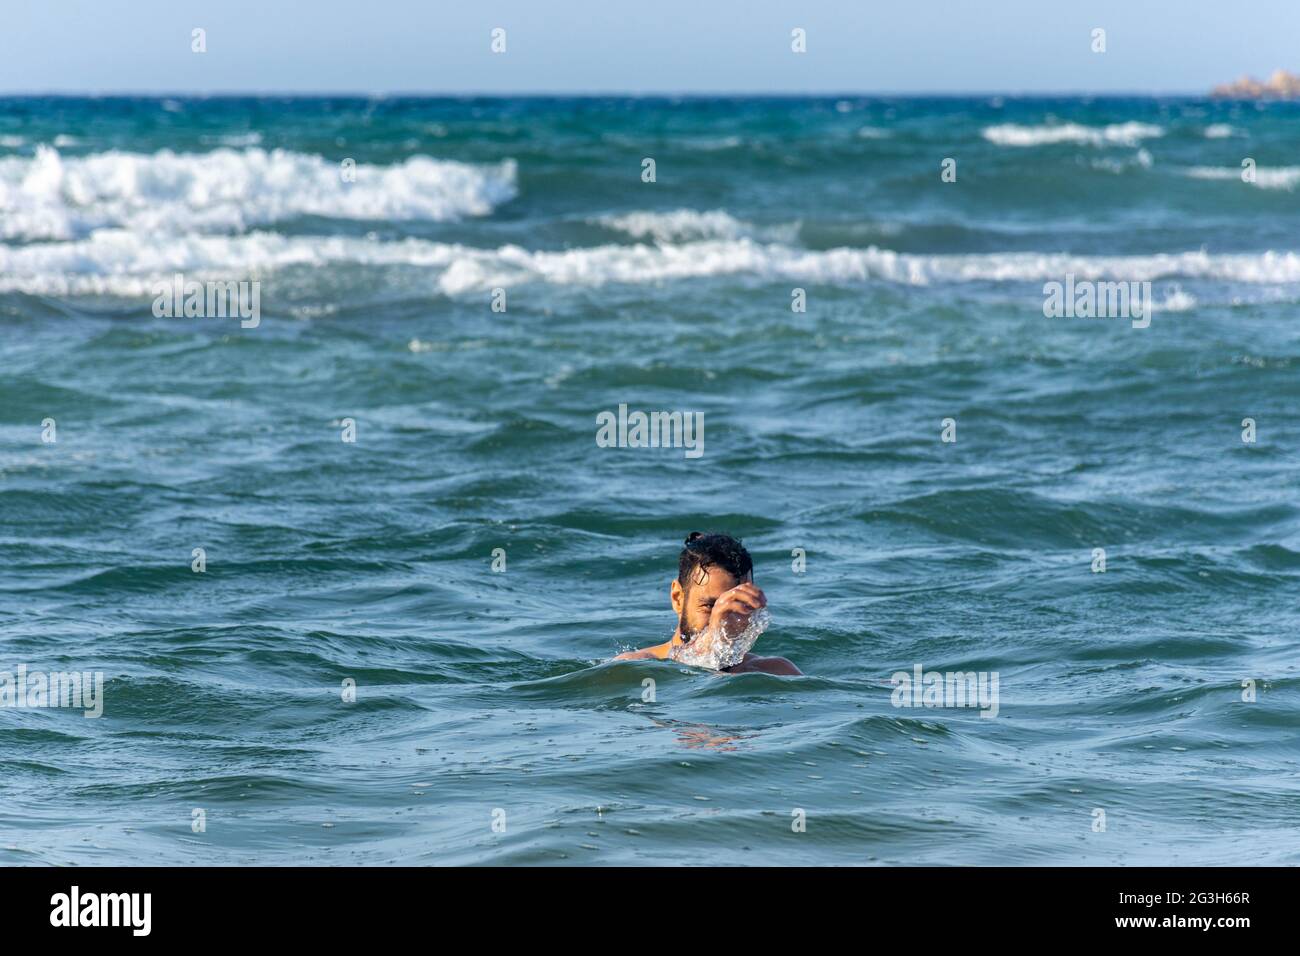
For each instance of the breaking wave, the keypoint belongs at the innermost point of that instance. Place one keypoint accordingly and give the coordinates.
(1115, 134)
(49, 196)
(118, 262)
(1266, 177)
(692, 224)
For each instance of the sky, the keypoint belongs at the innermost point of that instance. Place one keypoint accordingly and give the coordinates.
(651, 46)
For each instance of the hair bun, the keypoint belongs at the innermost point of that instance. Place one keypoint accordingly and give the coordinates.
(693, 535)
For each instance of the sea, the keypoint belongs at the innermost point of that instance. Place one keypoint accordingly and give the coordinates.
(342, 567)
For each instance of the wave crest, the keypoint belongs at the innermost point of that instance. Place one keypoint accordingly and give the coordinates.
(49, 196)
(1266, 177)
(1116, 134)
(117, 262)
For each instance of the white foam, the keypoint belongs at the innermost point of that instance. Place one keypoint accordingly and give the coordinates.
(479, 270)
(1141, 159)
(1220, 131)
(1116, 134)
(676, 225)
(49, 196)
(120, 262)
(1175, 300)
(124, 263)
(1266, 177)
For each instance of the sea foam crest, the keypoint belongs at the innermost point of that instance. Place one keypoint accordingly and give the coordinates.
(50, 196)
(1266, 177)
(1116, 134)
(475, 270)
(1220, 131)
(676, 224)
(679, 225)
(119, 262)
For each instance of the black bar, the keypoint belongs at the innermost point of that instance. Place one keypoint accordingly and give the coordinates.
(887, 906)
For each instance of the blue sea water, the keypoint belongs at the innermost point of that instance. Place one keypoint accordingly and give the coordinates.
(488, 725)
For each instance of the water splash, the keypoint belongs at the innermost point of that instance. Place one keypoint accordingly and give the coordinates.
(718, 650)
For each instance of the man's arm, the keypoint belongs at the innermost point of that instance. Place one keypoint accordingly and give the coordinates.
(658, 652)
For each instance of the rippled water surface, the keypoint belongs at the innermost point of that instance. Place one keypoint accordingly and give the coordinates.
(485, 697)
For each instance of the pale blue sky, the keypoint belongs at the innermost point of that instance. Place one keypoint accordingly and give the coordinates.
(584, 46)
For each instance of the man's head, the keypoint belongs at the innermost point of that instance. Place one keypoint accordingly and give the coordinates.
(709, 566)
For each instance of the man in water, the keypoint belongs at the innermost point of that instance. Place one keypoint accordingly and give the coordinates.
(714, 594)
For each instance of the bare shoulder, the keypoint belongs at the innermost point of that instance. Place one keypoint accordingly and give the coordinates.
(766, 665)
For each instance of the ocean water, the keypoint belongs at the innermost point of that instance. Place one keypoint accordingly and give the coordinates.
(488, 725)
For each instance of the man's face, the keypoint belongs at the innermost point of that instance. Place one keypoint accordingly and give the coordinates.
(694, 603)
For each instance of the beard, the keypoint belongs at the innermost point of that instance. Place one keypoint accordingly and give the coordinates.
(688, 633)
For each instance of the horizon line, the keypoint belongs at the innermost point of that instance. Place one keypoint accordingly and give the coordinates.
(628, 94)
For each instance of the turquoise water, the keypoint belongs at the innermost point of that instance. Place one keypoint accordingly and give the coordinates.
(480, 691)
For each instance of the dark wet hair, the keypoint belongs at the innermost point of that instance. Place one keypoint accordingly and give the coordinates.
(712, 551)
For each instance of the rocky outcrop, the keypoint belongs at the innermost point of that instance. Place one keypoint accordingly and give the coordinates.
(1280, 86)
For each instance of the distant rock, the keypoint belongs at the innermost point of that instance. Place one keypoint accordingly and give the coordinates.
(1280, 86)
